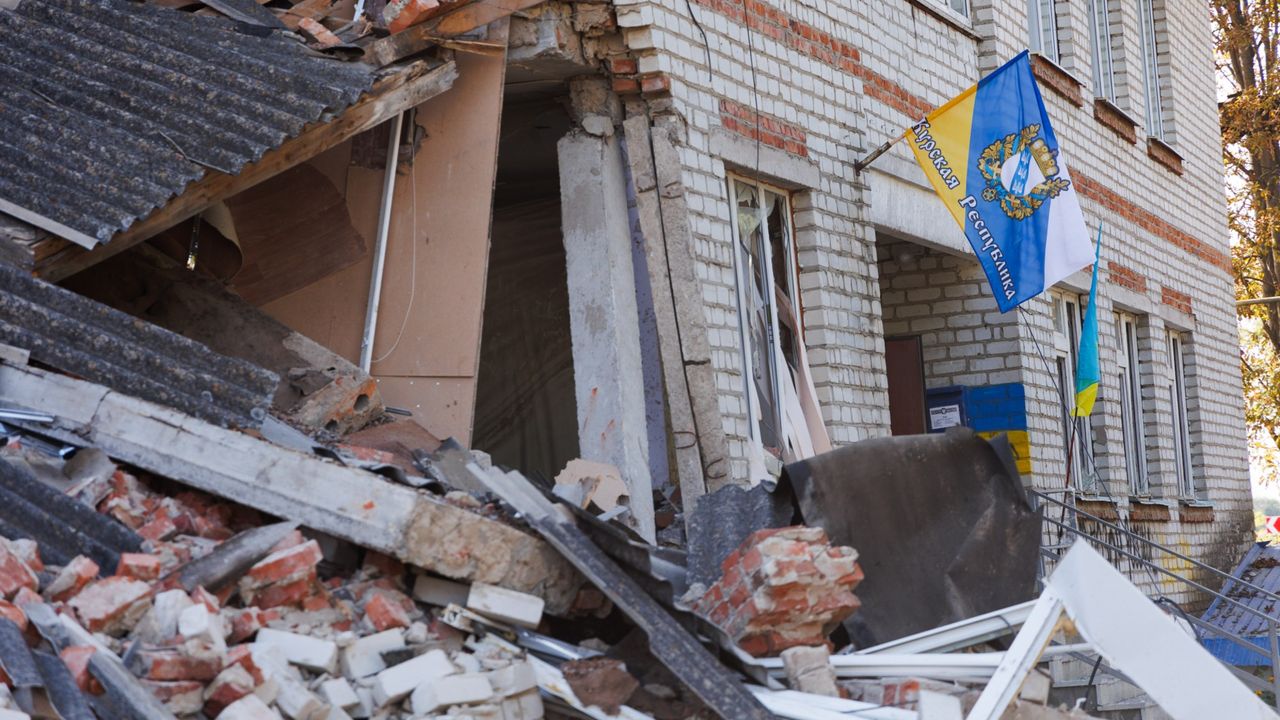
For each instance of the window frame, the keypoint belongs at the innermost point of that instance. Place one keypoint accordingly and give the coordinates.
(776, 360)
(1101, 47)
(1132, 416)
(1151, 70)
(1068, 319)
(1178, 395)
(1036, 11)
(964, 12)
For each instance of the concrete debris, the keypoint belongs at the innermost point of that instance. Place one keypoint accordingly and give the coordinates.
(809, 670)
(583, 482)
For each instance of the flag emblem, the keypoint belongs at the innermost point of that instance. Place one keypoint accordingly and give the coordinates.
(991, 155)
(1025, 158)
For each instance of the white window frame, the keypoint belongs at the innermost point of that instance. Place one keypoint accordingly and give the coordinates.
(1101, 42)
(776, 361)
(1044, 41)
(959, 8)
(1132, 420)
(1068, 316)
(1181, 426)
(1151, 68)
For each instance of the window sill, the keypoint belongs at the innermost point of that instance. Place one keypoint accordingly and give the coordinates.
(1101, 507)
(1163, 153)
(1150, 509)
(1195, 511)
(948, 17)
(1053, 76)
(1115, 120)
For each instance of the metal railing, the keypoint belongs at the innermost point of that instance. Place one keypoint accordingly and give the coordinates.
(1143, 551)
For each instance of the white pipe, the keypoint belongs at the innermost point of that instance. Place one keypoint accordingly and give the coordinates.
(380, 244)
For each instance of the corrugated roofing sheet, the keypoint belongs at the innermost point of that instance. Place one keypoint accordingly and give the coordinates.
(1261, 567)
(109, 108)
(130, 355)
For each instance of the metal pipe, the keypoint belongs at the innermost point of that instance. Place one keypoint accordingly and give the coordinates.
(862, 164)
(1258, 301)
(380, 244)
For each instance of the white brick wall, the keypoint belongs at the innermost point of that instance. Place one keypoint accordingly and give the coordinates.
(844, 114)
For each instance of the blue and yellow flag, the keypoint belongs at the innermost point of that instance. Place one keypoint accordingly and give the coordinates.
(993, 158)
(1087, 361)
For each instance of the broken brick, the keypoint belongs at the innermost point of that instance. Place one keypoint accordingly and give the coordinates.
(283, 566)
(181, 697)
(200, 596)
(72, 578)
(14, 573)
(76, 658)
(139, 566)
(229, 686)
(242, 656)
(600, 681)
(176, 664)
(12, 612)
(384, 613)
(160, 527)
(294, 593)
(783, 588)
(112, 604)
(28, 552)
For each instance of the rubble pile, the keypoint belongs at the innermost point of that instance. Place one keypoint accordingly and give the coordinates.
(176, 556)
(286, 638)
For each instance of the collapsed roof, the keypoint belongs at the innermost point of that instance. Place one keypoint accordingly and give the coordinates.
(111, 108)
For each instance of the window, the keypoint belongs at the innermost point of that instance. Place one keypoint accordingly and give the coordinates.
(959, 6)
(1076, 433)
(1131, 415)
(1042, 22)
(1187, 487)
(1104, 74)
(1153, 68)
(768, 312)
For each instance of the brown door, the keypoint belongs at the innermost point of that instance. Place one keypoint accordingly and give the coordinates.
(905, 365)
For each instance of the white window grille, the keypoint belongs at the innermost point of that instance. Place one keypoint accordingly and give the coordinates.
(1042, 24)
(1187, 486)
(1104, 77)
(1152, 69)
(1131, 415)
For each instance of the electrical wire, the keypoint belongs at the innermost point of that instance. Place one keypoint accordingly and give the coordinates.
(413, 244)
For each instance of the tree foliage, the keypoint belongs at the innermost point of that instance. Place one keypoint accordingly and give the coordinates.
(1247, 33)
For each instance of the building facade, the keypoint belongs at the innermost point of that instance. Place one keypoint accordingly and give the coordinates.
(775, 100)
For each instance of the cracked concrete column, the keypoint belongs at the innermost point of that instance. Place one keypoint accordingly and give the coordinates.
(607, 366)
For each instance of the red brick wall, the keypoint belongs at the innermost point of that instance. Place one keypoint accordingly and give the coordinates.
(767, 129)
(1126, 278)
(1175, 299)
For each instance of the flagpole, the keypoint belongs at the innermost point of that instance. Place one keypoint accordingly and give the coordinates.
(862, 164)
